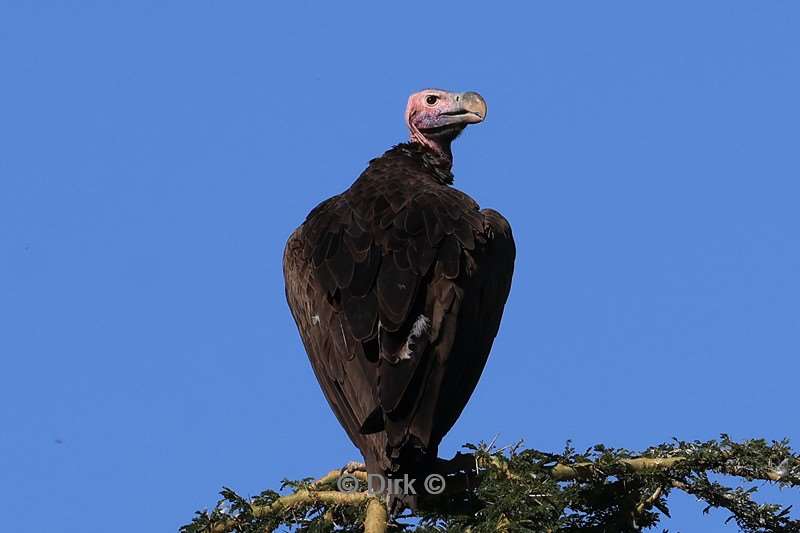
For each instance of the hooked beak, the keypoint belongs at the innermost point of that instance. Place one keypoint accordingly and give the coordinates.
(470, 107)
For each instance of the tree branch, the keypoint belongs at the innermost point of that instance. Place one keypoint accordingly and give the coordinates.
(602, 489)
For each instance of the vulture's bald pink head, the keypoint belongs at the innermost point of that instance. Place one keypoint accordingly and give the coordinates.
(436, 117)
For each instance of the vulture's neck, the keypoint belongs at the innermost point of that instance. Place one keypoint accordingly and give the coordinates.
(442, 146)
(439, 163)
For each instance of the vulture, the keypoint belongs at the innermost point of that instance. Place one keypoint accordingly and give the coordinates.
(397, 287)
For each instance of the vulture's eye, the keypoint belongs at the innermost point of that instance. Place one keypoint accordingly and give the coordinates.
(431, 99)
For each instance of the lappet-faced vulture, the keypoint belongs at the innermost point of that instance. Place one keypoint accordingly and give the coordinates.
(397, 286)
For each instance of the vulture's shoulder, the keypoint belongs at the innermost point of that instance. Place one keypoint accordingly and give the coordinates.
(400, 195)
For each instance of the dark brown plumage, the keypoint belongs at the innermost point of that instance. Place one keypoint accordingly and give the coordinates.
(397, 287)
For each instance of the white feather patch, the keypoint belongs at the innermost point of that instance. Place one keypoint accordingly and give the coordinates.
(420, 326)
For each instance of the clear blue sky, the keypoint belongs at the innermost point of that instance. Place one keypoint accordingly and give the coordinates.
(154, 156)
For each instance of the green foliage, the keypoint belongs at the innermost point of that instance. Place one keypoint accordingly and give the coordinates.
(515, 489)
